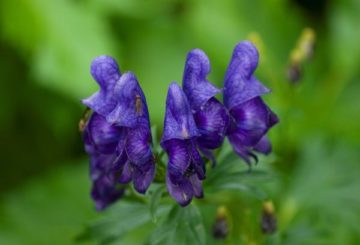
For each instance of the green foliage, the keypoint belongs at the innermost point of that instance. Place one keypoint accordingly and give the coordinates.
(311, 177)
(182, 226)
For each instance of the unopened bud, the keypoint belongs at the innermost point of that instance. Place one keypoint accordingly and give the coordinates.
(307, 42)
(268, 218)
(221, 225)
(294, 72)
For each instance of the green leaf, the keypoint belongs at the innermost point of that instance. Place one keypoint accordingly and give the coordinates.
(154, 201)
(119, 221)
(154, 135)
(184, 225)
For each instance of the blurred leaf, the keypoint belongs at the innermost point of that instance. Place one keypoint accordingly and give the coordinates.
(117, 222)
(64, 38)
(183, 225)
(323, 192)
(47, 210)
(155, 201)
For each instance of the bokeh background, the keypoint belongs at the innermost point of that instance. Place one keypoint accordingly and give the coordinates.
(46, 48)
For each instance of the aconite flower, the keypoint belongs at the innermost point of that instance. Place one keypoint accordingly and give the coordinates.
(185, 168)
(250, 117)
(117, 136)
(211, 117)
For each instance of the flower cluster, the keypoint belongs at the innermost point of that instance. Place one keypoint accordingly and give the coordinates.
(118, 139)
(195, 121)
(117, 136)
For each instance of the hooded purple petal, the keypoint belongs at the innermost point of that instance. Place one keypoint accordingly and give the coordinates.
(179, 122)
(196, 87)
(105, 71)
(131, 108)
(212, 122)
(240, 85)
(253, 119)
(182, 191)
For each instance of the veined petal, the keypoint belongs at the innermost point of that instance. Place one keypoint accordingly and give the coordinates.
(197, 162)
(126, 174)
(182, 191)
(197, 89)
(142, 178)
(212, 121)
(196, 185)
(179, 122)
(101, 164)
(103, 135)
(253, 119)
(105, 71)
(240, 85)
(245, 59)
(138, 145)
(179, 158)
(131, 108)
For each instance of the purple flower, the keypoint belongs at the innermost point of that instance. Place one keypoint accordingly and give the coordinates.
(250, 118)
(210, 115)
(117, 136)
(185, 168)
(106, 73)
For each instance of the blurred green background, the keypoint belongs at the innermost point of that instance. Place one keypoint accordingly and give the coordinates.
(46, 48)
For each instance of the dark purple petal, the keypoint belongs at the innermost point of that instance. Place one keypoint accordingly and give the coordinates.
(103, 135)
(138, 145)
(88, 143)
(142, 179)
(253, 119)
(197, 162)
(196, 87)
(181, 191)
(209, 155)
(179, 122)
(179, 158)
(105, 71)
(243, 151)
(119, 162)
(100, 164)
(196, 185)
(131, 108)
(240, 85)
(212, 121)
(105, 192)
(126, 174)
(263, 146)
